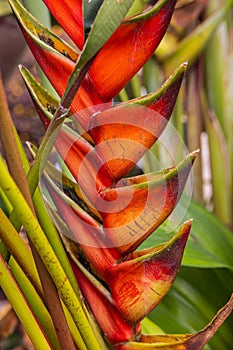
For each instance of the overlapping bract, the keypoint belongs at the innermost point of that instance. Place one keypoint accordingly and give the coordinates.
(104, 215)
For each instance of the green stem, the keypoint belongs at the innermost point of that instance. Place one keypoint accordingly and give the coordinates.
(194, 126)
(21, 255)
(20, 305)
(36, 303)
(220, 165)
(15, 244)
(123, 95)
(52, 235)
(9, 145)
(48, 256)
(42, 214)
(17, 171)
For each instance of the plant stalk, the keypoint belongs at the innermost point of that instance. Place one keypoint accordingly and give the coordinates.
(16, 169)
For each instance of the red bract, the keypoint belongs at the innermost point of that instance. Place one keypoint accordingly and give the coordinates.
(128, 130)
(131, 45)
(119, 136)
(113, 324)
(122, 231)
(145, 205)
(123, 133)
(137, 285)
(71, 19)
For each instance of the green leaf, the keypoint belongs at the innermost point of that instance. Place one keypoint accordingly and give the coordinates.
(210, 243)
(219, 156)
(212, 236)
(149, 327)
(90, 11)
(193, 300)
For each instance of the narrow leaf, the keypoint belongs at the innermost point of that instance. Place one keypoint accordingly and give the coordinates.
(106, 21)
(191, 46)
(219, 155)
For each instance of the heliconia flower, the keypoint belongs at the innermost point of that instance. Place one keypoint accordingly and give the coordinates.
(122, 231)
(137, 283)
(123, 133)
(102, 215)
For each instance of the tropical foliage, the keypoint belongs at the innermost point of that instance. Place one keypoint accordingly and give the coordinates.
(101, 253)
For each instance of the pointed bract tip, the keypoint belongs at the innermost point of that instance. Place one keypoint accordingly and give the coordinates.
(185, 64)
(193, 155)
